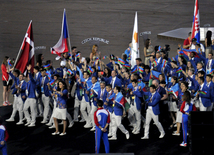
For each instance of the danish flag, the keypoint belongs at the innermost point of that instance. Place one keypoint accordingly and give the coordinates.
(26, 52)
(196, 23)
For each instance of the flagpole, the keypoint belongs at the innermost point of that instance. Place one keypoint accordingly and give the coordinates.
(21, 46)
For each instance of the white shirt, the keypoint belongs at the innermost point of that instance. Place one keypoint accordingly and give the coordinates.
(201, 89)
(102, 93)
(150, 107)
(113, 81)
(37, 74)
(208, 84)
(159, 60)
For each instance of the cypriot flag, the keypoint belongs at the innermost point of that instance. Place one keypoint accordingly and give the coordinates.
(135, 43)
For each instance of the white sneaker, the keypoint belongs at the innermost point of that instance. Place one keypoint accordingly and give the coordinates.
(136, 132)
(162, 135)
(127, 135)
(93, 129)
(112, 138)
(44, 121)
(176, 134)
(48, 124)
(19, 123)
(71, 124)
(10, 120)
(51, 127)
(87, 125)
(55, 133)
(133, 130)
(110, 135)
(82, 120)
(31, 125)
(145, 137)
(28, 123)
(62, 134)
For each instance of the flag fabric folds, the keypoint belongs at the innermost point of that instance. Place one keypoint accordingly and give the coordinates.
(140, 69)
(26, 52)
(120, 99)
(69, 72)
(135, 43)
(179, 70)
(155, 74)
(48, 74)
(174, 90)
(121, 61)
(127, 66)
(196, 23)
(134, 70)
(63, 45)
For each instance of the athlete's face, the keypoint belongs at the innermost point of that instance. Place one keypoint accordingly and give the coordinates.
(108, 89)
(43, 73)
(93, 80)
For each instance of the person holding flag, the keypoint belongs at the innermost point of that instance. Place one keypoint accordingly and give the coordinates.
(119, 102)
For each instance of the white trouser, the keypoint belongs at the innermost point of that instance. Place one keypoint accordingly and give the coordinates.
(110, 124)
(83, 106)
(18, 106)
(76, 108)
(210, 108)
(93, 109)
(137, 114)
(39, 106)
(201, 106)
(116, 123)
(15, 106)
(131, 116)
(149, 116)
(45, 101)
(30, 103)
(68, 116)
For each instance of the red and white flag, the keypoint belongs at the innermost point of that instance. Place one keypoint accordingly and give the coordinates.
(196, 23)
(26, 52)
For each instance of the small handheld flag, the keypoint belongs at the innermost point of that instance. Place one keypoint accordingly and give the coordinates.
(48, 75)
(78, 55)
(47, 66)
(155, 63)
(134, 70)
(121, 61)
(69, 72)
(90, 70)
(203, 92)
(52, 83)
(179, 70)
(172, 59)
(127, 66)
(105, 57)
(140, 69)
(9, 63)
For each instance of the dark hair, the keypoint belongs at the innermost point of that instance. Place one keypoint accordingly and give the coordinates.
(63, 82)
(118, 88)
(201, 72)
(94, 68)
(142, 65)
(209, 75)
(211, 53)
(77, 72)
(109, 85)
(99, 103)
(118, 66)
(208, 37)
(87, 60)
(201, 78)
(183, 60)
(162, 76)
(73, 47)
(94, 77)
(109, 72)
(124, 57)
(17, 72)
(37, 68)
(185, 83)
(188, 67)
(136, 76)
(147, 43)
(86, 72)
(139, 59)
(5, 60)
(146, 67)
(57, 75)
(153, 86)
(162, 82)
(187, 97)
(39, 60)
(135, 81)
(1, 120)
(189, 34)
(175, 78)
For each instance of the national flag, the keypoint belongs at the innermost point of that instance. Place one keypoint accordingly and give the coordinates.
(69, 72)
(142, 85)
(196, 23)
(63, 45)
(48, 75)
(120, 99)
(156, 74)
(150, 80)
(52, 83)
(90, 70)
(135, 42)
(164, 63)
(129, 58)
(9, 63)
(91, 94)
(96, 87)
(172, 59)
(121, 61)
(80, 74)
(212, 71)
(140, 69)
(77, 55)
(134, 70)
(175, 89)
(129, 87)
(186, 51)
(127, 66)
(203, 92)
(155, 63)
(179, 70)
(70, 57)
(105, 57)
(47, 66)
(181, 53)
(159, 48)
(89, 84)
(26, 52)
